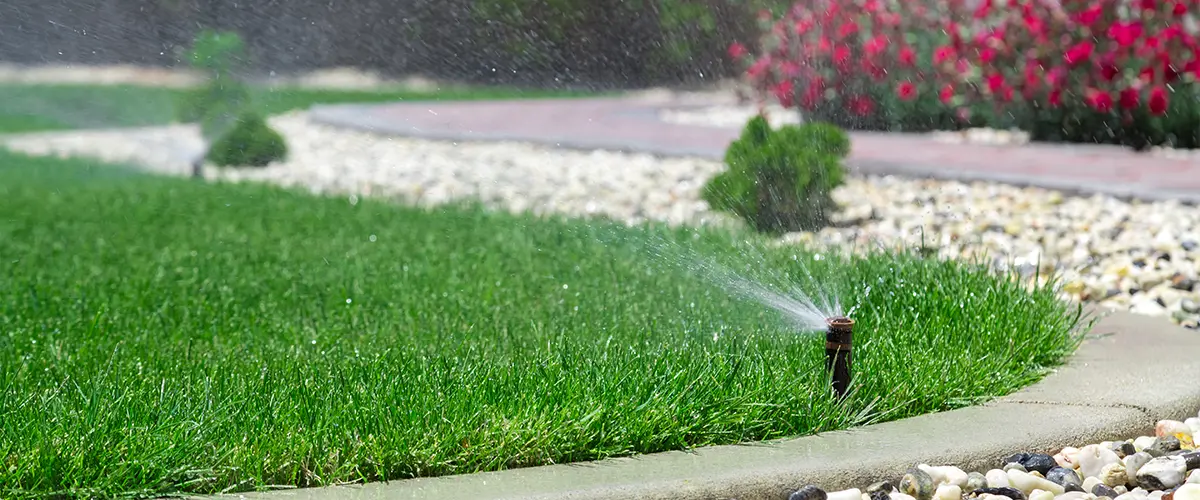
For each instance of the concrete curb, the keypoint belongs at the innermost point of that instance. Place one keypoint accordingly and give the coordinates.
(1130, 372)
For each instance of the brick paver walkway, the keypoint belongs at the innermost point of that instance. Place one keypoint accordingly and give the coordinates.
(631, 124)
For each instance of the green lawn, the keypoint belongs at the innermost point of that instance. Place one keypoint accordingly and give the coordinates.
(159, 335)
(27, 107)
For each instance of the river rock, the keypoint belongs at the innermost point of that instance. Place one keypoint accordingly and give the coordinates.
(997, 478)
(1123, 448)
(1113, 474)
(810, 492)
(883, 486)
(975, 481)
(1194, 477)
(1089, 483)
(1143, 442)
(1186, 492)
(1073, 495)
(1067, 478)
(1004, 492)
(1102, 490)
(1093, 458)
(1041, 495)
(1134, 462)
(1193, 423)
(1039, 462)
(1027, 482)
(948, 492)
(1162, 473)
(1163, 445)
(898, 495)
(1192, 458)
(918, 483)
(945, 474)
(850, 494)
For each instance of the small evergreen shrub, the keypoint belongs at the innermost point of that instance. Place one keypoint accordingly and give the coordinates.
(218, 103)
(250, 142)
(781, 180)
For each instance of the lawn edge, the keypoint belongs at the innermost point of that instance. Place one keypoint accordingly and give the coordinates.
(1129, 372)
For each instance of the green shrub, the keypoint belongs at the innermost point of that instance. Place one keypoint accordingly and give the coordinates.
(251, 142)
(781, 180)
(218, 103)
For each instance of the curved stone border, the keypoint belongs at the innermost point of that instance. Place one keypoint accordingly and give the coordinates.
(1130, 372)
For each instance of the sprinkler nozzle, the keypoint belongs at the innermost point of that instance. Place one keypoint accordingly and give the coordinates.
(839, 338)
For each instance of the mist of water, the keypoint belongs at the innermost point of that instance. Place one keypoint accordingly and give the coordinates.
(807, 312)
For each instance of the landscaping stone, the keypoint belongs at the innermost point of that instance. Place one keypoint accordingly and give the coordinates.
(1172, 477)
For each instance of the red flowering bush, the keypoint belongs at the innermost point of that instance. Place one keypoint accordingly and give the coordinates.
(1121, 71)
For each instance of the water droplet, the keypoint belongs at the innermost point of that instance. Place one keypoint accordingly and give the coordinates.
(564, 286)
(348, 301)
(372, 238)
(314, 341)
(353, 199)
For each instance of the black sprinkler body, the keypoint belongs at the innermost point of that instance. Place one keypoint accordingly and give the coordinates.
(839, 338)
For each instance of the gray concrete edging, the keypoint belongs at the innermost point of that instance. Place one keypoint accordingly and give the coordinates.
(1129, 372)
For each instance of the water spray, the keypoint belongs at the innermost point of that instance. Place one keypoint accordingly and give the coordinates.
(839, 337)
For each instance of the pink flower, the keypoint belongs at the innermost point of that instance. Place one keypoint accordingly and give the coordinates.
(906, 90)
(737, 51)
(875, 46)
(784, 93)
(848, 28)
(861, 105)
(907, 56)
(759, 68)
(946, 94)
(1158, 101)
(1125, 33)
(1099, 100)
(1090, 15)
(1079, 53)
(1130, 99)
(943, 54)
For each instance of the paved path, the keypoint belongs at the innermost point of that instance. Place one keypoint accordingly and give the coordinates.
(632, 124)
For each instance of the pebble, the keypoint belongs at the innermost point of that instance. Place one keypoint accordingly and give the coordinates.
(1067, 478)
(945, 475)
(1194, 477)
(948, 492)
(917, 483)
(1103, 490)
(850, 494)
(1093, 458)
(975, 481)
(1164, 445)
(1187, 492)
(1001, 491)
(997, 478)
(1134, 462)
(1027, 482)
(1039, 462)
(1143, 442)
(1114, 474)
(1162, 473)
(1119, 254)
(809, 492)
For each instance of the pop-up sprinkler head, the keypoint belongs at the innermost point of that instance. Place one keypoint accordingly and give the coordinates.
(839, 337)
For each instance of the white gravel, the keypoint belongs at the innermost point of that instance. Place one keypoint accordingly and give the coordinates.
(1142, 256)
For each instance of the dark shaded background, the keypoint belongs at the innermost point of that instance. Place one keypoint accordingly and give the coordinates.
(541, 43)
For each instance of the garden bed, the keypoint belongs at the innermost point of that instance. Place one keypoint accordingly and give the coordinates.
(165, 335)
